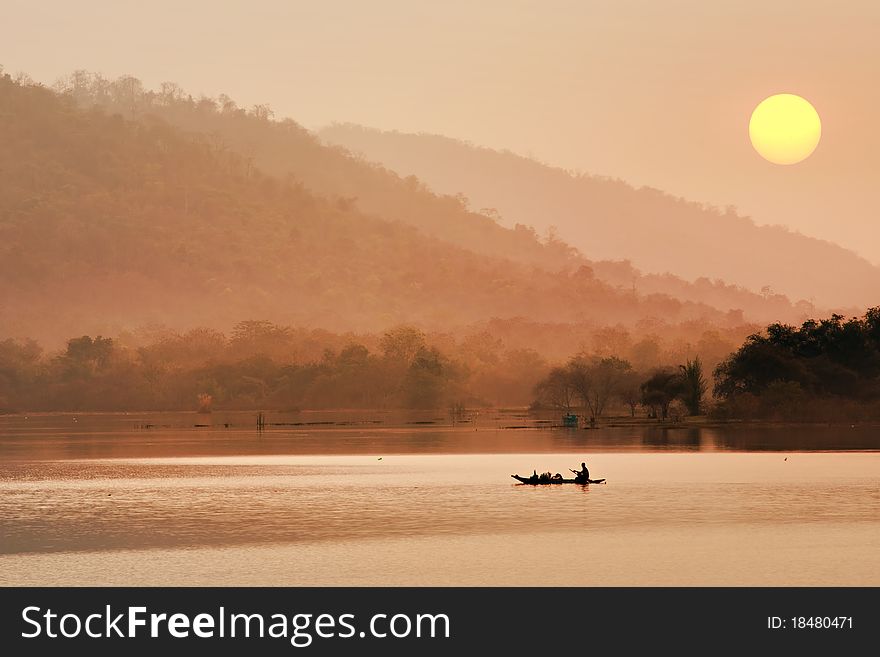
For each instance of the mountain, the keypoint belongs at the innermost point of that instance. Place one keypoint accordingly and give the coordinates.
(283, 148)
(609, 220)
(108, 223)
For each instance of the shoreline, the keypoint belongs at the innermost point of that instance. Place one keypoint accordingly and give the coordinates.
(426, 418)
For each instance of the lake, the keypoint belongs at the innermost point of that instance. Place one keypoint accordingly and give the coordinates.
(390, 499)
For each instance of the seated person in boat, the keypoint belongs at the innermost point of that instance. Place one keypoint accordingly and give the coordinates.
(545, 476)
(557, 476)
(583, 473)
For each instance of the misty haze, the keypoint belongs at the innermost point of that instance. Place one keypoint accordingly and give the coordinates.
(308, 283)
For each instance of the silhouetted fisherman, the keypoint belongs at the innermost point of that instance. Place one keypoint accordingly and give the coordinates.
(583, 473)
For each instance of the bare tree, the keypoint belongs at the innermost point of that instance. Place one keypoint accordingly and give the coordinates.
(597, 380)
(629, 392)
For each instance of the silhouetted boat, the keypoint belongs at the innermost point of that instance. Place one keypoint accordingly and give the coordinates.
(540, 482)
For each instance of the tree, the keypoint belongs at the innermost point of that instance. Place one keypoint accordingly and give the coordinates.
(402, 344)
(597, 380)
(425, 382)
(608, 375)
(579, 374)
(127, 92)
(592, 380)
(170, 93)
(832, 357)
(261, 338)
(693, 385)
(646, 352)
(92, 354)
(661, 388)
(629, 391)
(262, 112)
(611, 340)
(755, 365)
(783, 398)
(18, 368)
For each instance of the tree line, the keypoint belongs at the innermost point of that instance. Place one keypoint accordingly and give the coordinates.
(594, 384)
(262, 365)
(824, 369)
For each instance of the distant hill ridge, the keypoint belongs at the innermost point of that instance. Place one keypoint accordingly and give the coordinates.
(610, 220)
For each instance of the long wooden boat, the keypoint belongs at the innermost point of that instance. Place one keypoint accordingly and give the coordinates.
(541, 482)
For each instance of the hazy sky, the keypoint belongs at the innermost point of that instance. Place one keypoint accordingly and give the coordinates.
(657, 93)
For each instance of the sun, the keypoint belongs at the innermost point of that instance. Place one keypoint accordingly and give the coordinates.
(785, 129)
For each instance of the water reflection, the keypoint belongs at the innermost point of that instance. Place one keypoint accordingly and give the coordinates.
(375, 500)
(121, 436)
(192, 501)
(684, 438)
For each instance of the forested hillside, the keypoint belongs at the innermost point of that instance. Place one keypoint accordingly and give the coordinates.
(609, 219)
(109, 223)
(284, 148)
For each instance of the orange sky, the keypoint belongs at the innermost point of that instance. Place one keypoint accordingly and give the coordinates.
(657, 93)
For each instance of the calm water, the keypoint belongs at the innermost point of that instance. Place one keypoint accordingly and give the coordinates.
(157, 501)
